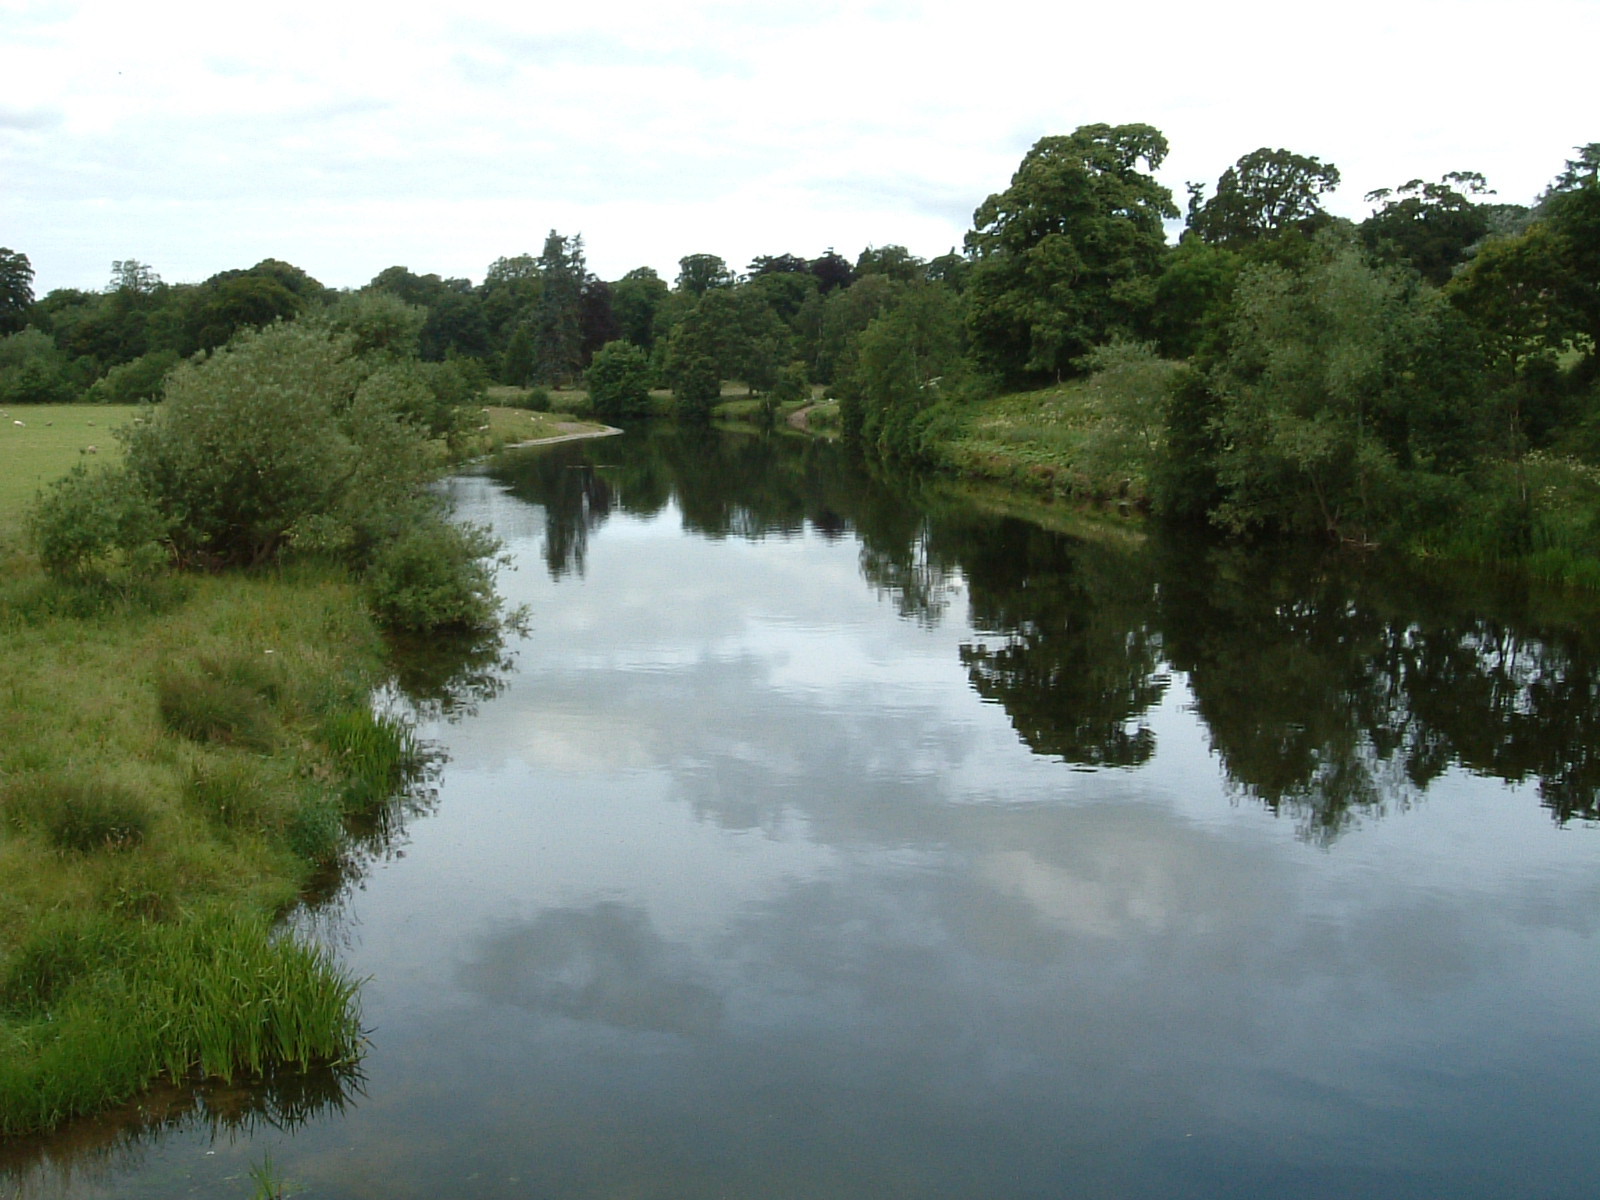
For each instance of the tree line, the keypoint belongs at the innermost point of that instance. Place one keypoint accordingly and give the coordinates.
(1293, 371)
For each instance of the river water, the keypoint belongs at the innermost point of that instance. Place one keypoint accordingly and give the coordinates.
(825, 836)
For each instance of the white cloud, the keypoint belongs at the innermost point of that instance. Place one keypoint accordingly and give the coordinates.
(348, 138)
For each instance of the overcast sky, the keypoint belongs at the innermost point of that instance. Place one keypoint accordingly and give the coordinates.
(348, 137)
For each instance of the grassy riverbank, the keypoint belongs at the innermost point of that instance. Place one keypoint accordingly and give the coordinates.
(1098, 443)
(177, 759)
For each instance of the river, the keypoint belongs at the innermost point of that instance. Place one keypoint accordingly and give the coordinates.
(826, 835)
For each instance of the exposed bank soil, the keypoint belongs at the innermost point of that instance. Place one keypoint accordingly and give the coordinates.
(572, 431)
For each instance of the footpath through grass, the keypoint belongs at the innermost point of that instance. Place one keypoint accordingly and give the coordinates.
(178, 759)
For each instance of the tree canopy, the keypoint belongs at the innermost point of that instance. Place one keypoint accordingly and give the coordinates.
(1264, 194)
(1066, 257)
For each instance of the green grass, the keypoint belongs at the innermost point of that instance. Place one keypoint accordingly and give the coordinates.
(1059, 441)
(503, 425)
(176, 763)
(51, 438)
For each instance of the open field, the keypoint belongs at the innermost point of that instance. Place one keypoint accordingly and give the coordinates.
(51, 438)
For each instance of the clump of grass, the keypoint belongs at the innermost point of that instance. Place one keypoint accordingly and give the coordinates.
(204, 706)
(215, 994)
(79, 816)
(374, 753)
(269, 1184)
(316, 831)
(237, 793)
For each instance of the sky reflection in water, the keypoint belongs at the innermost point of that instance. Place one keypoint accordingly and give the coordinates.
(740, 887)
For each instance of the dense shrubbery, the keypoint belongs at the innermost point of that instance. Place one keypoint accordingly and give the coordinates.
(287, 440)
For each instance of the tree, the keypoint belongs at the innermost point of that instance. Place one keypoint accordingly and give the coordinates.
(833, 270)
(894, 261)
(1428, 225)
(635, 299)
(699, 273)
(619, 380)
(16, 290)
(1066, 257)
(1572, 207)
(694, 363)
(556, 322)
(1265, 193)
(1192, 296)
(1306, 395)
(907, 355)
(778, 264)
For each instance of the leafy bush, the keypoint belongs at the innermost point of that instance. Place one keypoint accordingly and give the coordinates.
(619, 380)
(133, 382)
(434, 576)
(92, 523)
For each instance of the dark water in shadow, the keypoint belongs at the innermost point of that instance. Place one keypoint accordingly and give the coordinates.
(831, 838)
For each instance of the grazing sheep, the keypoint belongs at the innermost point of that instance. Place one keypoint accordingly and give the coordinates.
(19, 423)
(91, 449)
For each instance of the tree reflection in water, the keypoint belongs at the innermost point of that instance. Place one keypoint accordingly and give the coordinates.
(1331, 687)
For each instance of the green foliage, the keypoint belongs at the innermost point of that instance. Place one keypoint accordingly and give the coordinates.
(1337, 381)
(16, 289)
(378, 322)
(909, 359)
(635, 300)
(434, 576)
(618, 380)
(1267, 192)
(1183, 480)
(1428, 225)
(1192, 296)
(555, 323)
(33, 371)
(694, 362)
(220, 460)
(1066, 257)
(96, 524)
(700, 273)
(134, 382)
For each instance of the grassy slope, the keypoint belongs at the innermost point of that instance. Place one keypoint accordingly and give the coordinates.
(1049, 441)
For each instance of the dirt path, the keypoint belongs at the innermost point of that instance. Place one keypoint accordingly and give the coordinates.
(800, 418)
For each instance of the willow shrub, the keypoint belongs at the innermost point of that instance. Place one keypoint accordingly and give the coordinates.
(285, 441)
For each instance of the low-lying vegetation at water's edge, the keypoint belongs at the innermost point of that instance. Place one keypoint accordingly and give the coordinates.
(182, 755)
(174, 768)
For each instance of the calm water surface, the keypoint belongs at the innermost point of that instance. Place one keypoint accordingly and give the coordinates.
(821, 839)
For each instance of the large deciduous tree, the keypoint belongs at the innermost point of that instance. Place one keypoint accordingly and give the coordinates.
(1066, 257)
(1428, 225)
(16, 289)
(1265, 193)
(699, 273)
